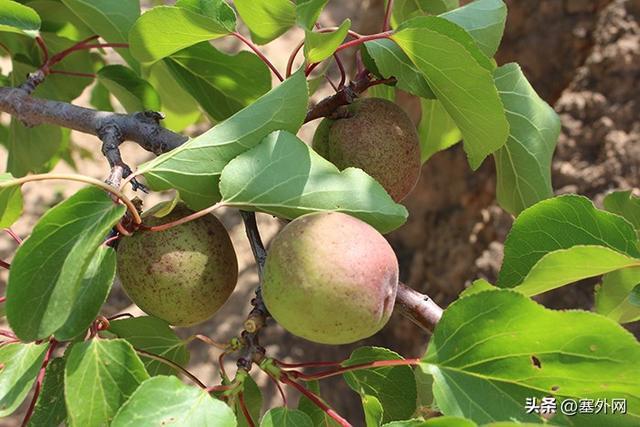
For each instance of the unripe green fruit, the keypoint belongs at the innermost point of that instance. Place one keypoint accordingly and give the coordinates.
(182, 275)
(330, 278)
(377, 137)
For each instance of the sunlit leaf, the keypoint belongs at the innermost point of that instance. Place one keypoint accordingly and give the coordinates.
(284, 177)
(195, 167)
(523, 164)
(460, 76)
(135, 94)
(320, 46)
(494, 349)
(18, 18)
(20, 366)
(104, 371)
(267, 19)
(222, 84)
(48, 268)
(165, 30)
(615, 298)
(167, 400)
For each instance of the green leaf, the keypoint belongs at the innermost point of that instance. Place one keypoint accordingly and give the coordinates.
(56, 86)
(492, 350)
(523, 164)
(18, 18)
(566, 266)
(562, 230)
(50, 409)
(10, 202)
(135, 94)
(105, 371)
(48, 268)
(460, 76)
(20, 366)
(404, 10)
(625, 204)
(179, 108)
(252, 400)
(424, 388)
(393, 386)
(58, 19)
(153, 336)
(31, 149)
(283, 176)
(615, 296)
(164, 30)
(194, 168)
(222, 84)
(320, 46)
(100, 97)
(437, 130)
(284, 417)
(308, 12)
(484, 20)
(477, 286)
(391, 61)
(167, 400)
(317, 415)
(110, 20)
(266, 19)
(93, 292)
(373, 411)
(218, 10)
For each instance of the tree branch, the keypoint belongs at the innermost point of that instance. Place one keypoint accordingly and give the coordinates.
(143, 128)
(417, 307)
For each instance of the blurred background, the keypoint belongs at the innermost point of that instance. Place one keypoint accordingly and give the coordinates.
(583, 58)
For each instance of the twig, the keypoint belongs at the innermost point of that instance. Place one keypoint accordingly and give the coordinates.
(185, 219)
(387, 16)
(172, 364)
(13, 235)
(79, 178)
(417, 307)
(142, 128)
(344, 96)
(5, 264)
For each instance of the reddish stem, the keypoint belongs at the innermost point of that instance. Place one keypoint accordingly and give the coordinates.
(45, 362)
(185, 219)
(105, 45)
(335, 88)
(245, 411)
(73, 73)
(387, 16)
(317, 401)
(260, 54)
(217, 388)
(8, 334)
(353, 43)
(2, 299)
(5, 264)
(275, 381)
(110, 240)
(307, 364)
(223, 373)
(13, 235)
(343, 73)
(339, 371)
(295, 51)
(43, 47)
(174, 365)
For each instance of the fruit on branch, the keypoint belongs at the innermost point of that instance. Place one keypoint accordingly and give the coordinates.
(330, 278)
(376, 136)
(182, 275)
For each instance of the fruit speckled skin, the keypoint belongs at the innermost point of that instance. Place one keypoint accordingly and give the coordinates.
(182, 275)
(330, 278)
(377, 137)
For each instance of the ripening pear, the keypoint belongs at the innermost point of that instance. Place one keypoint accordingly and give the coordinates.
(378, 137)
(182, 275)
(330, 278)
